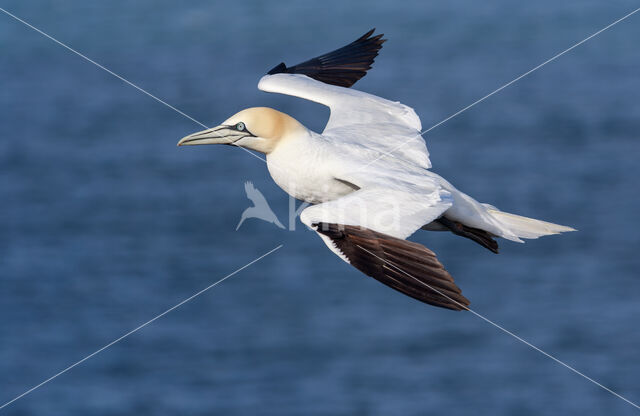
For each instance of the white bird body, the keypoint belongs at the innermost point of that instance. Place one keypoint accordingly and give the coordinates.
(311, 167)
(367, 175)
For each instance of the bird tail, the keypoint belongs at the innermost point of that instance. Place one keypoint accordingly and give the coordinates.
(524, 227)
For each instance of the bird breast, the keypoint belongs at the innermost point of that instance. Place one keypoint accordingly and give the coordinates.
(302, 168)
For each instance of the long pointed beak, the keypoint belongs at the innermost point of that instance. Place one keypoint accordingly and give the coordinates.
(217, 135)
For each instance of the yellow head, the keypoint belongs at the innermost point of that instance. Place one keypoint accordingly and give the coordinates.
(256, 128)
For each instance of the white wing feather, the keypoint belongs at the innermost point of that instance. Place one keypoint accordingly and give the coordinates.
(386, 126)
(390, 211)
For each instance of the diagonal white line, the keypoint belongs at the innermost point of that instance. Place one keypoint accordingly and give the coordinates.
(102, 67)
(138, 328)
(117, 76)
(502, 87)
(506, 331)
(530, 71)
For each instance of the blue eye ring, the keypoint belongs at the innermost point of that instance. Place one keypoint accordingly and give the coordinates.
(240, 126)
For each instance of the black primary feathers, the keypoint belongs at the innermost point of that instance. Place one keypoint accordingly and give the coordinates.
(405, 266)
(342, 67)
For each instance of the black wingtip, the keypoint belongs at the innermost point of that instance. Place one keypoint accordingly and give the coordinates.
(342, 67)
(278, 69)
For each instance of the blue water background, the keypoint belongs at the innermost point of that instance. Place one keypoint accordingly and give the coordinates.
(104, 223)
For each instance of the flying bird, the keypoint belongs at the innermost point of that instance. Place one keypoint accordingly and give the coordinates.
(260, 209)
(367, 175)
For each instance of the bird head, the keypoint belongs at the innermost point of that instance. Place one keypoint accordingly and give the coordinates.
(257, 128)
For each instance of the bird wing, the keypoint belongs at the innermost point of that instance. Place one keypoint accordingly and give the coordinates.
(389, 127)
(342, 67)
(357, 117)
(254, 195)
(396, 212)
(366, 228)
(348, 106)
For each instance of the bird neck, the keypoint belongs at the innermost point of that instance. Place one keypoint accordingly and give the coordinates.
(287, 131)
(290, 128)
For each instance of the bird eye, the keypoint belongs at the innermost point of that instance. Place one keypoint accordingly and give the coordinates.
(240, 126)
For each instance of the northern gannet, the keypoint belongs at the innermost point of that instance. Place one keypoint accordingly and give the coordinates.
(367, 175)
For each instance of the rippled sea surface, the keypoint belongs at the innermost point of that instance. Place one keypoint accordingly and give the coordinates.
(104, 223)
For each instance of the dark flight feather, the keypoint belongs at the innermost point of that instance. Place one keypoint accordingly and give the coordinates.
(405, 266)
(342, 67)
(482, 237)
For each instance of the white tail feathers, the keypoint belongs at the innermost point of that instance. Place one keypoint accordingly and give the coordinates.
(525, 227)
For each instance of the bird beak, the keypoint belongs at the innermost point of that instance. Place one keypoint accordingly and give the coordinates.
(217, 135)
